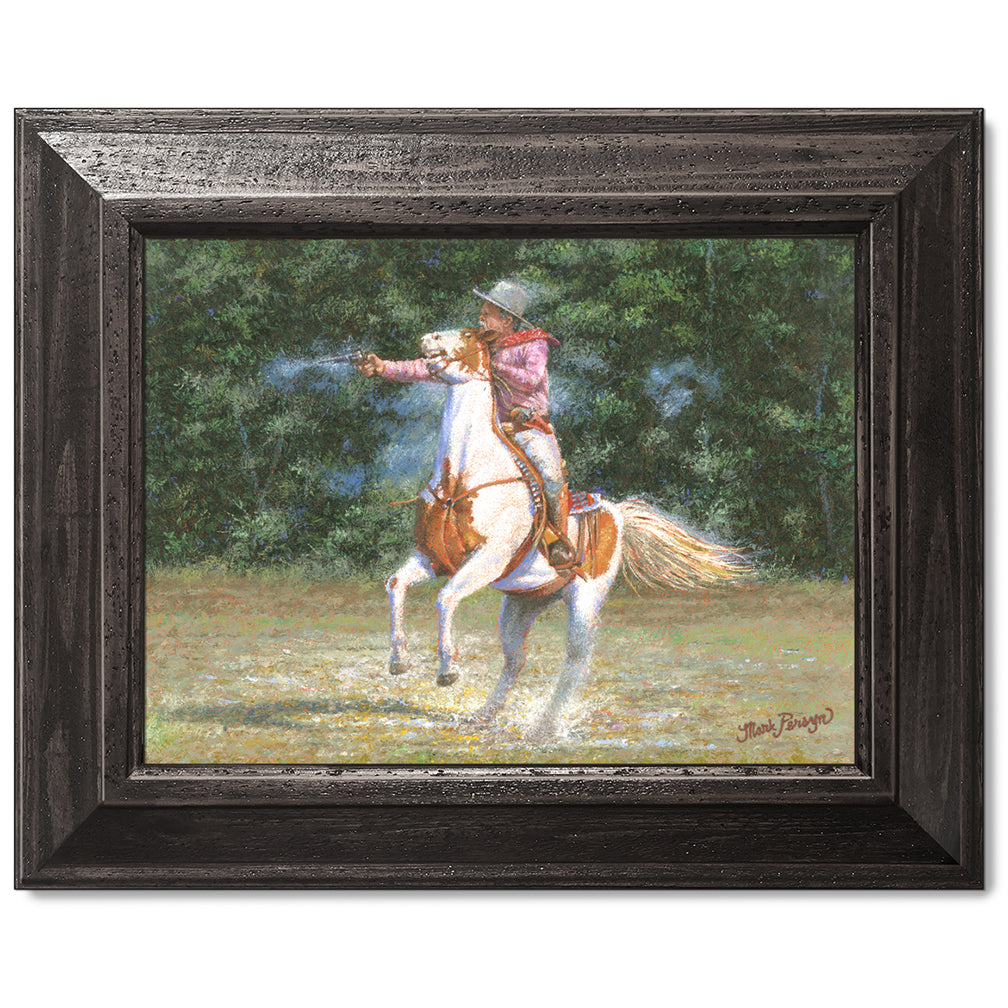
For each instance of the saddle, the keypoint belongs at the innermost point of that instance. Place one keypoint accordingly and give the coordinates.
(443, 528)
(444, 534)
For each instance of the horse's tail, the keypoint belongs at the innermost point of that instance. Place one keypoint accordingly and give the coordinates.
(659, 553)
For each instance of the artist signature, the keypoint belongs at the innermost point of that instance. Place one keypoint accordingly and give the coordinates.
(784, 721)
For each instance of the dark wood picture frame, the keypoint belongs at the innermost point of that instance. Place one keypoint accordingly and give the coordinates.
(91, 185)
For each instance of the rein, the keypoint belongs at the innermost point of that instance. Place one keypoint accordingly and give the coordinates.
(450, 502)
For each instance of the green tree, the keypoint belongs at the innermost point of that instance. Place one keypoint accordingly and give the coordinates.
(715, 375)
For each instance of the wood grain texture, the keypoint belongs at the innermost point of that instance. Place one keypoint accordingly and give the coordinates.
(515, 845)
(878, 585)
(58, 504)
(463, 121)
(121, 431)
(940, 617)
(92, 184)
(539, 785)
(130, 164)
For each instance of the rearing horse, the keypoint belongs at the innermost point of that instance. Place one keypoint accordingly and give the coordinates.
(475, 516)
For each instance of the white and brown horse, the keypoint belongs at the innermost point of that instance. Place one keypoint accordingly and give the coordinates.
(475, 522)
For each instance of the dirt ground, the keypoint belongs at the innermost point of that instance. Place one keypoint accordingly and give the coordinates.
(263, 669)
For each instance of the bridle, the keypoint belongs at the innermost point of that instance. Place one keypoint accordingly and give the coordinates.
(460, 359)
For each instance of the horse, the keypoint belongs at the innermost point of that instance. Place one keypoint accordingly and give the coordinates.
(476, 524)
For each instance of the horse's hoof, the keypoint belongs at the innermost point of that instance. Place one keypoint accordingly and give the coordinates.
(398, 667)
(447, 678)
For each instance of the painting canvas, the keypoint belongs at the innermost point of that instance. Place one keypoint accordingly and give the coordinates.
(352, 445)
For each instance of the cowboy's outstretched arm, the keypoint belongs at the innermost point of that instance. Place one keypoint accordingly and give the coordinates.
(414, 370)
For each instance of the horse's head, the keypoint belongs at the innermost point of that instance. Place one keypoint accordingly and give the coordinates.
(456, 355)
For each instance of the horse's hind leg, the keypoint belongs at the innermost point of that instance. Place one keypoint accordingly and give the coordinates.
(518, 612)
(414, 571)
(584, 600)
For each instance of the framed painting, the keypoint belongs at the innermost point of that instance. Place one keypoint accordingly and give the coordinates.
(709, 380)
(725, 367)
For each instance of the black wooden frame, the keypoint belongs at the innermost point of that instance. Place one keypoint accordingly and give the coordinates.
(90, 185)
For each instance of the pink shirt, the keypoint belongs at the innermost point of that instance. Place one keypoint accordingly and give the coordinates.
(519, 369)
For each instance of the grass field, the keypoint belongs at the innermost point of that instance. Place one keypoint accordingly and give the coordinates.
(263, 669)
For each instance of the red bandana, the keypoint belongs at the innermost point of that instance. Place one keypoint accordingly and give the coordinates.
(525, 336)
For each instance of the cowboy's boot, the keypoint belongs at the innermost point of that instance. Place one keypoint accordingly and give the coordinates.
(561, 556)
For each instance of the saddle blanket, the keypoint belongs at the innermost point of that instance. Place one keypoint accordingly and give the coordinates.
(582, 501)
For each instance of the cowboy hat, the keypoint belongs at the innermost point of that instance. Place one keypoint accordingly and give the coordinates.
(509, 296)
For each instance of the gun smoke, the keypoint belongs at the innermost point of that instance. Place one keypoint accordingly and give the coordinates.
(409, 418)
(671, 387)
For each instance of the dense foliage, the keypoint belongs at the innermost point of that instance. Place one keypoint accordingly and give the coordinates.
(714, 376)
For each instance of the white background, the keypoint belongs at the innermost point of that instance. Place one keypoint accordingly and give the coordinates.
(625, 949)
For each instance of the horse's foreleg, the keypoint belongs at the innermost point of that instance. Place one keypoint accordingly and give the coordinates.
(584, 600)
(482, 568)
(518, 612)
(414, 571)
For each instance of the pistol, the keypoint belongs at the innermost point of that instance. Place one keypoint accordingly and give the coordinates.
(355, 357)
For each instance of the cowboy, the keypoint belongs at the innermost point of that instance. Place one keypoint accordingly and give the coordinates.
(518, 360)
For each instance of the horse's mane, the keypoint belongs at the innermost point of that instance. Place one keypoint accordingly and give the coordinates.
(476, 334)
